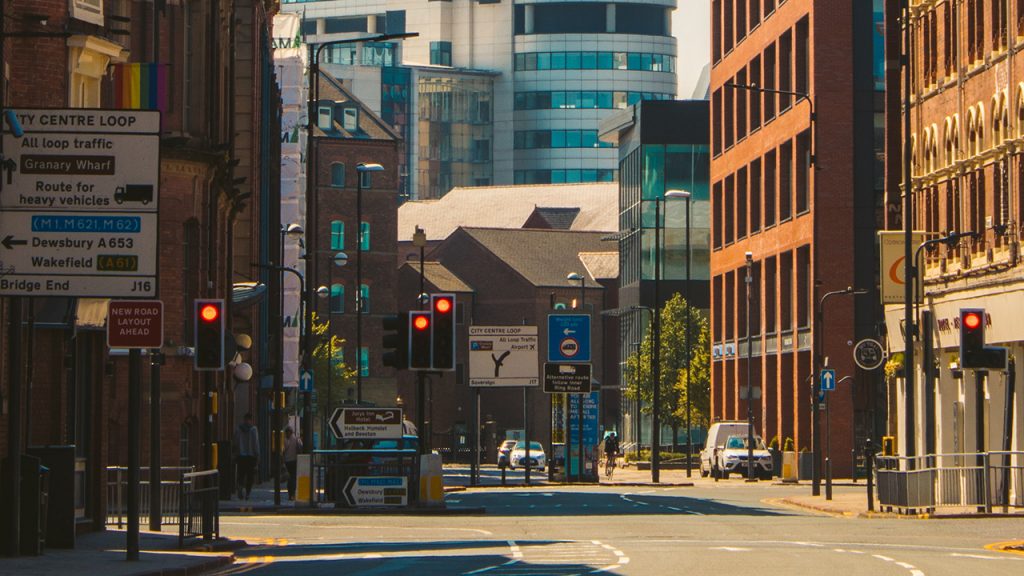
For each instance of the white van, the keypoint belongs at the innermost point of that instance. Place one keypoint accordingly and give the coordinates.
(717, 435)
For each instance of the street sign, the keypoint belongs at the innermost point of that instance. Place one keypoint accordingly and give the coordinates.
(503, 356)
(591, 430)
(566, 378)
(868, 354)
(367, 423)
(568, 338)
(306, 381)
(828, 379)
(80, 202)
(135, 324)
(377, 491)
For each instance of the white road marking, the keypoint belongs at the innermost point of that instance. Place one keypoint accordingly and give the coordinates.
(880, 557)
(732, 549)
(981, 557)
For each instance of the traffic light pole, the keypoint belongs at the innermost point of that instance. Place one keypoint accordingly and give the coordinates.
(134, 432)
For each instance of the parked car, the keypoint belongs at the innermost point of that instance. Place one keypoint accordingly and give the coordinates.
(517, 457)
(733, 458)
(503, 452)
(717, 435)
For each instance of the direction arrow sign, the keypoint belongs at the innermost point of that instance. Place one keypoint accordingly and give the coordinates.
(503, 356)
(568, 338)
(828, 379)
(306, 381)
(377, 491)
(367, 423)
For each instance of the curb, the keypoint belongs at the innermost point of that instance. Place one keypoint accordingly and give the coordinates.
(1011, 547)
(195, 570)
(342, 511)
(219, 545)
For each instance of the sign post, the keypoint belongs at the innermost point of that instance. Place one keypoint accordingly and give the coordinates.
(367, 423)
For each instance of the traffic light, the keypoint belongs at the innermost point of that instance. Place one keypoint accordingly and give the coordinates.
(395, 341)
(972, 337)
(419, 340)
(209, 334)
(443, 308)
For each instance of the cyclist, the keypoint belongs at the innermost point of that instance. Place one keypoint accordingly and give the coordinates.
(611, 452)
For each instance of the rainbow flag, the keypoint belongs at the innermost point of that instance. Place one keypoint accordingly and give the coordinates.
(140, 86)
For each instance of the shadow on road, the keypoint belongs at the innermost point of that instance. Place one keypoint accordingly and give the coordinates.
(539, 503)
(379, 547)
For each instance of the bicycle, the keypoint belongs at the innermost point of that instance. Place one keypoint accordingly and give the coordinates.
(609, 465)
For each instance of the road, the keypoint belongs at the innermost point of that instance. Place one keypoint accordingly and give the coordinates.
(710, 528)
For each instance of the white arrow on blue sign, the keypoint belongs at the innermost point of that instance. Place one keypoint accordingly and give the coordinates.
(828, 379)
(306, 381)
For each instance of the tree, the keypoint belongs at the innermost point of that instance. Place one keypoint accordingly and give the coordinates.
(675, 316)
(332, 376)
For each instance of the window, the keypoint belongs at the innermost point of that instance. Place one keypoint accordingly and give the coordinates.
(350, 119)
(785, 69)
(324, 120)
(755, 196)
(366, 180)
(364, 298)
(755, 103)
(803, 287)
(769, 80)
(337, 299)
(338, 175)
(786, 291)
(741, 203)
(569, 17)
(716, 30)
(364, 361)
(337, 235)
(716, 222)
(769, 189)
(441, 53)
(785, 181)
(730, 212)
(641, 19)
(364, 237)
(803, 162)
(803, 51)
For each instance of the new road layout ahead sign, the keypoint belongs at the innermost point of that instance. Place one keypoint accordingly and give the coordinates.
(78, 213)
(503, 356)
(135, 324)
(568, 338)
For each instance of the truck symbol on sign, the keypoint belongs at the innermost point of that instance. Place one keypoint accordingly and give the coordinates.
(134, 193)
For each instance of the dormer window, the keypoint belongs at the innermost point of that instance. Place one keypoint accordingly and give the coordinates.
(324, 120)
(350, 119)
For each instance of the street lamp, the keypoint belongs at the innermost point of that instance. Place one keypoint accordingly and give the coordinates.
(828, 440)
(656, 334)
(749, 281)
(340, 259)
(638, 307)
(311, 154)
(296, 232)
(362, 168)
(686, 385)
(819, 362)
(576, 277)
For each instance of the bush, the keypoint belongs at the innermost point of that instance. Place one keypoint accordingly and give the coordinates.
(664, 455)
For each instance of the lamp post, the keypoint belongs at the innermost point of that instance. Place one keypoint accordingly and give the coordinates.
(361, 168)
(312, 161)
(295, 231)
(820, 360)
(340, 259)
(686, 384)
(828, 440)
(749, 281)
(576, 277)
(638, 307)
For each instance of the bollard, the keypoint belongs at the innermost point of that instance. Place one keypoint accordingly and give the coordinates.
(869, 459)
(828, 478)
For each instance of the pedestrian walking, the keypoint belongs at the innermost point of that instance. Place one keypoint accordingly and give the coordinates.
(292, 447)
(247, 454)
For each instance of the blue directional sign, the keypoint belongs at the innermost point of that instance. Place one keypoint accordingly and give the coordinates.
(568, 338)
(306, 381)
(828, 379)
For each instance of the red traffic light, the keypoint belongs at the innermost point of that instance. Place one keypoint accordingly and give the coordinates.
(209, 313)
(972, 320)
(442, 305)
(421, 322)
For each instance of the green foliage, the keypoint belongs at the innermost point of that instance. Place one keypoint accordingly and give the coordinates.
(663, 456)
(676, 317)
(341, 378)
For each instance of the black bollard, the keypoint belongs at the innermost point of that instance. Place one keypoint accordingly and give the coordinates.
(869, 459)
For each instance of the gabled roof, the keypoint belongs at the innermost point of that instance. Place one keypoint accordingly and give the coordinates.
(553, 218)
(371, 126)
(543, 257)
(511, 207)
(601, 265)
(440, 276)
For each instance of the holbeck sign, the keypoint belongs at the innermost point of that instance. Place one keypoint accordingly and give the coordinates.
(367, 423)
(135, 324)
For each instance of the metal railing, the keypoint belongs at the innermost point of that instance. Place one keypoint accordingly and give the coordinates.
(199, 505)
(333, 468)
(117, 495)
(966, 483)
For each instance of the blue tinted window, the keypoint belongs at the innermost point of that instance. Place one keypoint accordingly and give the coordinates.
(558, 61)
(572, 61)
(588, 60)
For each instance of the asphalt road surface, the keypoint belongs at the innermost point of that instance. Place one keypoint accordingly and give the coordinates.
(710, 528)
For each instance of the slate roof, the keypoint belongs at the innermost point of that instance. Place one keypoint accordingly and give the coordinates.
(555, 218)
(543, 257)
(601, 265)
(371, 126)
(510, 207)
(440, 276)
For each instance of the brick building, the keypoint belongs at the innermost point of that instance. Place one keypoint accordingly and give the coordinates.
(349, 134)
(802, 202)
(967, 176)
(217, 178)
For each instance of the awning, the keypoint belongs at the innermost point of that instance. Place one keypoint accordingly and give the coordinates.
(91, 313)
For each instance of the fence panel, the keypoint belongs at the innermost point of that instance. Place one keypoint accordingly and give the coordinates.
(117, 495)
(199, 505)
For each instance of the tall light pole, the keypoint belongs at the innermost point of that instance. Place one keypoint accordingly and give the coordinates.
(361, 169)
(576, 277)
(749, 281)
(686, 384)
(635, 308)
(340, 259)
(819, 362)
(295, 231)
(312, 161)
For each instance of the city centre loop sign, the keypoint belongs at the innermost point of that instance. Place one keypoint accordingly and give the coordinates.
(78, 209)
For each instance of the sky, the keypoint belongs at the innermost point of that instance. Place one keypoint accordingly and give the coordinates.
(691, 25)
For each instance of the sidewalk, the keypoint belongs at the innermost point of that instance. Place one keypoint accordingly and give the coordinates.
(103, 554)
(262, 501)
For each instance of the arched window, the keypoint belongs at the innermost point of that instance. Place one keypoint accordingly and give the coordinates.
(979, 126)
(337, 235)
(337, 298)
(338, 175)
(947, 142)
(1020, 109)
(972, 134)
